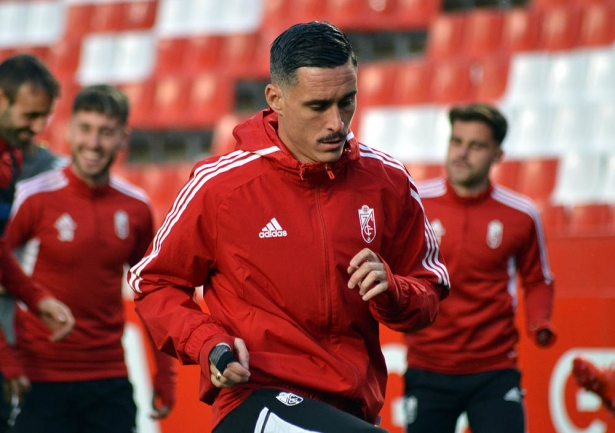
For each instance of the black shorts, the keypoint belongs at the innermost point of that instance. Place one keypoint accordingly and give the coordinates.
(273, 411)
(94, 406)
(493, 401)
(5, 408)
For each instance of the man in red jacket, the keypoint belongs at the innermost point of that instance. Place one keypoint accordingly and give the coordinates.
(305, 241)
(79, 226)
(467, 360)
(27, 94)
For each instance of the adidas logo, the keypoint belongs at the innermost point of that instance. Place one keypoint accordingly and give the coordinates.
(273, 229)
(514, 395)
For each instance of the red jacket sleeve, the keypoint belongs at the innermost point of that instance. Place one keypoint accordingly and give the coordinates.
(16, 282)
(10, 362)
(166, 375)
(417, 276)
(537, 282)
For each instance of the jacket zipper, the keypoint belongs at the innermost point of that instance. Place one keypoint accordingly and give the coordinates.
(327, 296)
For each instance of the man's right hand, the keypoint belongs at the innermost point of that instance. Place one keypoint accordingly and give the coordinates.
(16, 388)
(57, 316)
(235, 372)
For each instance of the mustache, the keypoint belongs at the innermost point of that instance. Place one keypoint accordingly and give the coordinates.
(334, 137)
(22, 130)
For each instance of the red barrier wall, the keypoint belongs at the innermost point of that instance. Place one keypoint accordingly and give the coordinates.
(584, 316)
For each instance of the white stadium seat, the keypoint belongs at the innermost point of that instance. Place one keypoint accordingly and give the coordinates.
(580, 179)
(599, 84)
(527, 78)
(566, 76)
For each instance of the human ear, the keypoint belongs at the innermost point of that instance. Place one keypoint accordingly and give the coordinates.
(274, 97)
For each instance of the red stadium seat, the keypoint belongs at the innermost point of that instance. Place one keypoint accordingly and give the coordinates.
(554, 219)
(169, 108)
(445, 36)
(347, 14)
(521, 30)
(276, 12)
(222, 140)
(241, 54)
(139, 15)
(413, 80)
(64, 104)
(359, 14)
(107, 17)
(170, 53)
(7, 52)
(201, 53)
(421, 172)
(507, 173)
(414, 14)
(560, 27)
(308, 10)
(597, 25)
(547, 4)
(591, 219)
(40, 52)
(484, 32)
(451, 81)
(63, 58)
(78, 21)
(375, 83)
(537, 178)
(489, 76)
(141, 97)
(123, 16)
(210, 97)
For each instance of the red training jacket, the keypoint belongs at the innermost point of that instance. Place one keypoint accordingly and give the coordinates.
(271, 239)
(78, 240)
(486, 241)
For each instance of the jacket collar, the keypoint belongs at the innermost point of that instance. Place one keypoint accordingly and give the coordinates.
(481, 197)
(260, 133)
(77, 185)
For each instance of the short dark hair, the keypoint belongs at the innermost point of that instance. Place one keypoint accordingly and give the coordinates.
(483, 113)
(315, 44)
(23, 69)
(105, 99)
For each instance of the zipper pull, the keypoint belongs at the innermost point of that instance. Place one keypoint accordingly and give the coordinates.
(329, 172)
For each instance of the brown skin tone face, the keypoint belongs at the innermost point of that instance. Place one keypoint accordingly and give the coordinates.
(316, 112)
(26, 117)
(471, 153)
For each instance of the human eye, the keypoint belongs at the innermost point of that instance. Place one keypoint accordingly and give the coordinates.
(319, 108)
(347, 102)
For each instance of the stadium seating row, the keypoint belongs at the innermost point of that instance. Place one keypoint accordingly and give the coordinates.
(126, 41)
(576, 75)
(419, 132)
(479, 32)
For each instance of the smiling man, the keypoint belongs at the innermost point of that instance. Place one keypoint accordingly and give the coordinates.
(78, 227)
(304, 241)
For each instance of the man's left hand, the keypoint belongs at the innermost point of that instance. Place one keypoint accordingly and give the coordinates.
(367, 272)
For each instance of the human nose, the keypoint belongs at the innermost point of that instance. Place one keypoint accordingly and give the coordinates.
(39, 124)
(335, 121)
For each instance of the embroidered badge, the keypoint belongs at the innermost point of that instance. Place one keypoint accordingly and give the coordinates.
(289, 399)
(495, 230)
(438, 229)
(65, 226)
(368, 223)
(120, 220)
